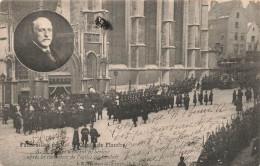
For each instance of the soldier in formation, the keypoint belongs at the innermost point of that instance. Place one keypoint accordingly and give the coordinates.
(223, 145)
(200, 97)
(206, 98)
(211, 97)
(186, 101)
(144, 115)
(234, 99)
(194, 98)
(239, 102)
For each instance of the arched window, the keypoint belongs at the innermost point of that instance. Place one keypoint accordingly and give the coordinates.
(91, 66)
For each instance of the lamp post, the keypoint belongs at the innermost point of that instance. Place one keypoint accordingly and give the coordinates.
(115, 74)
(2, 77)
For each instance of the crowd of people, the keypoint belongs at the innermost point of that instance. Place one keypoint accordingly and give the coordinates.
(66, 110)
(223, 145)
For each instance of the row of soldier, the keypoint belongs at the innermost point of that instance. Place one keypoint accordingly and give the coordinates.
(223, 145)
(142, 102)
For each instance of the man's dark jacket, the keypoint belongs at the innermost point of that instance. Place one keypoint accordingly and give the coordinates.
(36, 59)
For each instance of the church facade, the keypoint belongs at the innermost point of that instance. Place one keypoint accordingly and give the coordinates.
(152, 41)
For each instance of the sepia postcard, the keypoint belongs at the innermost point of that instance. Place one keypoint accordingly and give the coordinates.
(129, 82)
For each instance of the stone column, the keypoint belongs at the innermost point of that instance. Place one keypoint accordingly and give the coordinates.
(167, 38)
(137, 42)
(193, 53)
(204, 34)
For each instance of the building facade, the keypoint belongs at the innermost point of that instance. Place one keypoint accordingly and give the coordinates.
(3, 52)
(228, 28)
(152, 41)
(252, 38)
(157, 40)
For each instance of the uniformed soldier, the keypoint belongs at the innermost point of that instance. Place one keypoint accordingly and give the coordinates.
(134, 118)
(171, 99)
(211, 97)
(194, 98)
(144, 115)
(180, 99)
(240, 95)
(198, 85)
(84, 135)
(177, 99)
(93, 135)
(186, 101)
(75, 140)
(206, 98)
(200, 96)
(234, 97)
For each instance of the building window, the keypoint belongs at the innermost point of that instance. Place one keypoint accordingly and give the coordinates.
(222, 48)
(236, 36)
(237, 14)
(253, 29)
(235, 48)
(236, 25)
(241, 51)
(242, 36)
(252, 38)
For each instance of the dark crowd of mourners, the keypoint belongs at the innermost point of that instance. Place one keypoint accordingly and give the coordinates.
(66, 110)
